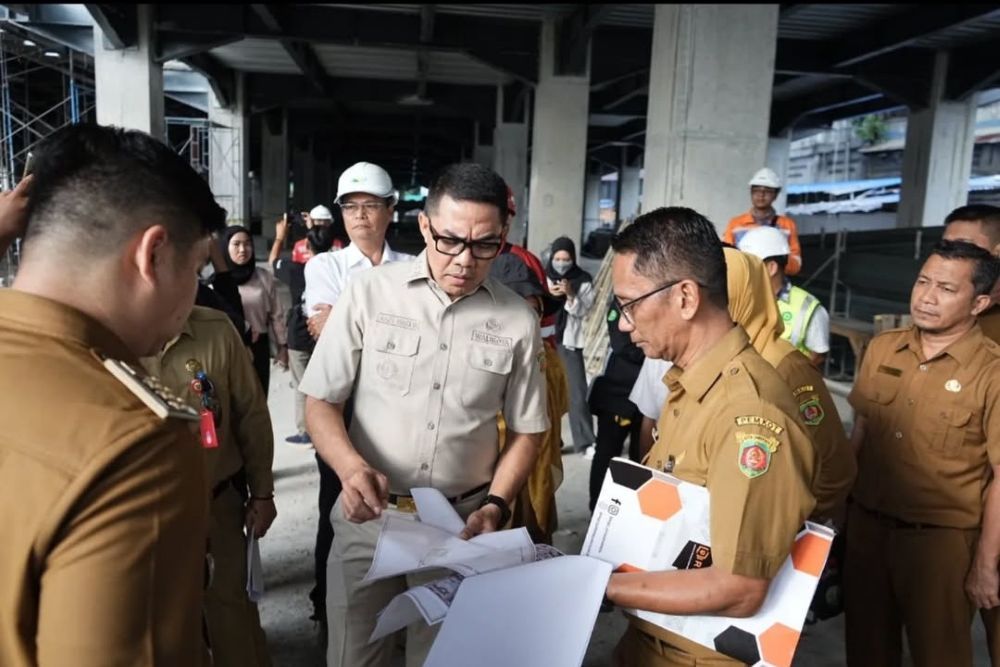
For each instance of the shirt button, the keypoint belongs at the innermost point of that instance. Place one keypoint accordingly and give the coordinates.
(923, 367)
(424, 466)
(676, 412)
(430, 426)
(444, 346)
(910, 401)
(390, 346)
(734, 371)
(899, 435)
(437, 385)
(487, 362)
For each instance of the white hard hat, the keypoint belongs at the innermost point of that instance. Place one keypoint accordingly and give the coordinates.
(368, 178)
(320, 213)
(767, 178)
(764, 242)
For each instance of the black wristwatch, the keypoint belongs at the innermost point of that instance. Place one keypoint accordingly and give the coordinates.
(502, 504)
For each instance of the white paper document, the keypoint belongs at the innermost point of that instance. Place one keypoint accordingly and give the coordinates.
(255, 573)
(535, 615)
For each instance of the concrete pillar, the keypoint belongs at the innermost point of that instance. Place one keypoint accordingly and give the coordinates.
(274, 173)
(129, 82)
(558, 149)
(778, 155)
(630, 192)
(510, 160)
(709, 106)
(228, 148)
(937, 158)
(591, 205)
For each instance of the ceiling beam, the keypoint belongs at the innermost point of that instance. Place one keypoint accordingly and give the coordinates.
(971, 69)
(118, 22)
(300, 51)
(221, 79)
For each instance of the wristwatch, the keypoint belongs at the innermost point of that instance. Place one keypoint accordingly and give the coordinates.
(502, 504)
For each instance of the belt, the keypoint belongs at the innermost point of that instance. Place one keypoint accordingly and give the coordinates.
(405, 503)
(899, 524)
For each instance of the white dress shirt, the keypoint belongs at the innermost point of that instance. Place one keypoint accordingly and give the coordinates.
(649, 393)
(328, 273)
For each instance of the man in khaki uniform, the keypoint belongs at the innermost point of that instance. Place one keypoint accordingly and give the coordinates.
(430, 351)
(979, 224)
(208, 366)
(730, 424)
(923, 537)
(101, 477)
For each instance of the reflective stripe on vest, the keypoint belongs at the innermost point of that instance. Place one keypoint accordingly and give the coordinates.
(796, 314)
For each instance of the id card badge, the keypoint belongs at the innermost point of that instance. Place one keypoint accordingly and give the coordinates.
(208, 438)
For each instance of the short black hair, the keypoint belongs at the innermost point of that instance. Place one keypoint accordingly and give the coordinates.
(468, 181)
(986, 266)
(320, 238)
(99, 185)
(986, 215)
(677, 242)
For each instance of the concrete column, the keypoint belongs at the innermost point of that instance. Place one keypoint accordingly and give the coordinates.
(709, 106)
(229, 145)
(630, 192)
(558, 150)
(274, 174)
(937, 158)
(778, 152)
(129, 83)
(591, 205)
(510, 160)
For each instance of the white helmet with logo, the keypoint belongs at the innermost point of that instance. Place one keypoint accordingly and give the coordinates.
(321, 213)
(766, 178)
(368, 178)
(764, 242)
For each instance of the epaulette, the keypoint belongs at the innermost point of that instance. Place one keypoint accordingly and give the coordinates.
(150, 391)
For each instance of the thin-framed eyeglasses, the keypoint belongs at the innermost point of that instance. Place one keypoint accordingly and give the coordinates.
(449, 245)
(626, 308)
(354, 208)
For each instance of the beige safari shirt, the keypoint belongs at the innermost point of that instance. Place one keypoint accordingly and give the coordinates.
(429, 375)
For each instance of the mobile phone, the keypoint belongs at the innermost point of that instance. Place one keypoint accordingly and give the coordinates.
(28, 160)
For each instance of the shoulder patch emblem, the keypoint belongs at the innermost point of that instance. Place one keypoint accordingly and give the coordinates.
(756, 420)
(755, 453)
(812, 411)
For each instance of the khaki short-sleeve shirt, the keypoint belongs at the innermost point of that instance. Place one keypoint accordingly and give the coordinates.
(730, 424)
(836, 465)
(933, 427)
(429, 375)
(106, 515)
(210, 343)
(990, 323)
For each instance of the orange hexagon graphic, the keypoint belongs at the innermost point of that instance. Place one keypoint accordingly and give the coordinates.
(777, 645)
(809, 553)
(659, 499)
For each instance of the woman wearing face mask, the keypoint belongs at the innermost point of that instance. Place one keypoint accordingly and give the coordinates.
(574, 286)
(260, 302)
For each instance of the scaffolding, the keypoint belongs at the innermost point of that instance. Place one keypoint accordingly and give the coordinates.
(22, 122)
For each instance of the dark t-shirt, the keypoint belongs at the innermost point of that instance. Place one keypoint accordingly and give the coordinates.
(293, 274)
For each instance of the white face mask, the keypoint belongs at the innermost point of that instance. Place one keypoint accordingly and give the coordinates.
(561, 266)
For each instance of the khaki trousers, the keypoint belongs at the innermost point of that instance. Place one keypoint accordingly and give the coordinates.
(639, 649)
(907, 577)
(297, 362)
(233, 622)
(351, 607)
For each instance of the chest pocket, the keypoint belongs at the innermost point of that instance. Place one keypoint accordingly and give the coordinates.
(486, 372)
(959, 431)
(395, 355)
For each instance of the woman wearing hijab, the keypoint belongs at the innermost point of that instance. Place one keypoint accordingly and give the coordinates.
(574, 287)
(260, 302)
(752, 305)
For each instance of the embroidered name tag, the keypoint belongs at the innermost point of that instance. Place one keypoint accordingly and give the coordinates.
(755, 420)
(488, 338)
(396, 321)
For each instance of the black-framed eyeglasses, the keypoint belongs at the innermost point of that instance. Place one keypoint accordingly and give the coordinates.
(449, 245)
(354, 208)
(626, 308)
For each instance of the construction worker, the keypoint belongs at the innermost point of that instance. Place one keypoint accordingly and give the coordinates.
(923, 540)
(764, 188)
(807, 322)
(319, 216)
